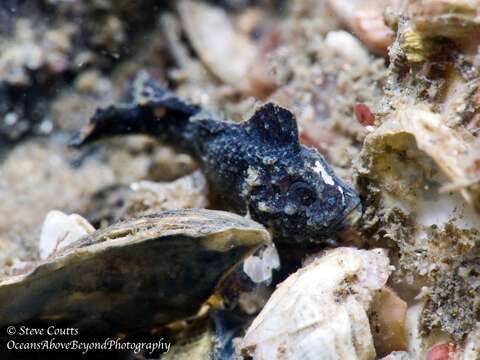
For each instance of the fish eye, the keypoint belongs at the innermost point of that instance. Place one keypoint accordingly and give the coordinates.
(302, 193)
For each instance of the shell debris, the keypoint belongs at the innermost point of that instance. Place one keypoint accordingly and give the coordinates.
(321, 310)
(59, 230)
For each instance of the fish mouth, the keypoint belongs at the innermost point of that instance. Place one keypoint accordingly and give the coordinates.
(348, 221)
(353, 216)
(319, 230)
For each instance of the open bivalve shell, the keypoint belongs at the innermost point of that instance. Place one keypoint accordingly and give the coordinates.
(320, 312)
(142, 273)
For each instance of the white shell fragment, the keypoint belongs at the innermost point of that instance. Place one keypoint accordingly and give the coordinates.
(259, 268)
(226, 52)
(60, 230)
(320, 311)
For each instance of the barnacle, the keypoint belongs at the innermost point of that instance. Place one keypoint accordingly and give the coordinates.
(414, 46)
(320, 311)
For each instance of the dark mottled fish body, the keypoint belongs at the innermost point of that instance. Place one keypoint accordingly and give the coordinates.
(258, 166)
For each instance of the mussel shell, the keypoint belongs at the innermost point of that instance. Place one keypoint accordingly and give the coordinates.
(150, 271)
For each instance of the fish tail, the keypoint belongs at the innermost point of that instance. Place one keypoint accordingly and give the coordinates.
(154, 111)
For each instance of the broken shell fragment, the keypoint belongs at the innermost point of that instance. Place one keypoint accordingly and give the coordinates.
(227, 53)
(320, 312)
(259, 268)
(447, 18)
(60, 230)
(453, 151)
(149, 271)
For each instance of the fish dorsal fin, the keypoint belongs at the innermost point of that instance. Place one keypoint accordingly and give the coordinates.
(273, 125)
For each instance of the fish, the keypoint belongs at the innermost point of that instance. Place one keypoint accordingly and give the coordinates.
(258, 167)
